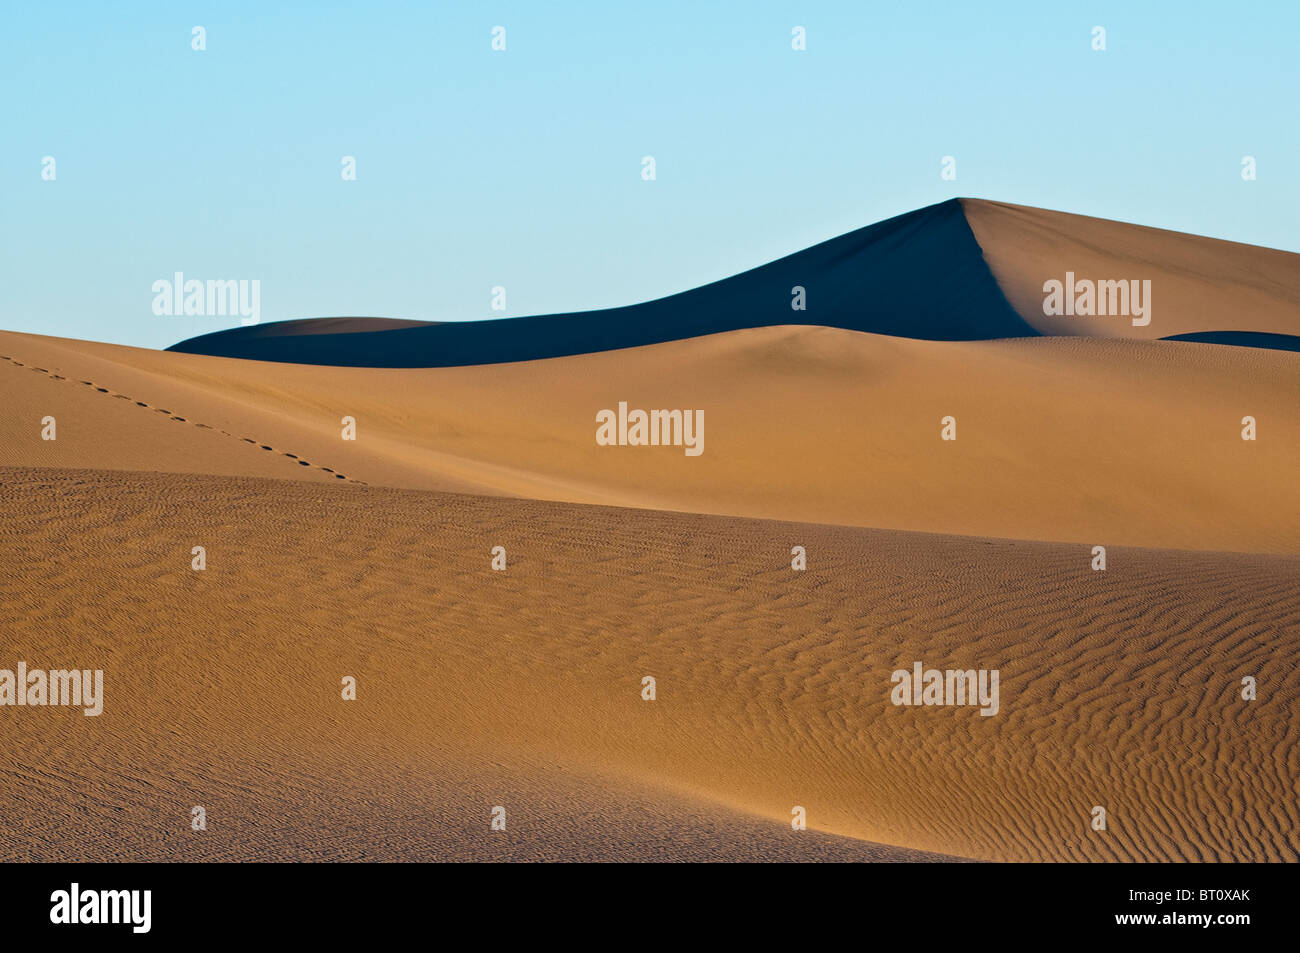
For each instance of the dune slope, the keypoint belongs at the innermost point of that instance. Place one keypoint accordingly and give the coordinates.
(961, 270)
(1073, 439)
(523, 688)
(1219, 290)
(1121, 685)
(916, 275)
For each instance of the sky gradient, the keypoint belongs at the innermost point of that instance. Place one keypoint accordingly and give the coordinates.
(522, 168)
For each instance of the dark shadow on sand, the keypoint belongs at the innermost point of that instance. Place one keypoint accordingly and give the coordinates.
(917, 275)
(1264, 339)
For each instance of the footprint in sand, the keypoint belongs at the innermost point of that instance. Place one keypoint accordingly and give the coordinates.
(179, 419)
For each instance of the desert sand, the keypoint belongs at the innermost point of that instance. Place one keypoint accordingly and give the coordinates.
(1200, 284)
(523, 688)
(1071, 439)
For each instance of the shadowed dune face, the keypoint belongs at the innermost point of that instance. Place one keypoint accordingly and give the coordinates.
(1092, 441)
(523, 688)
(1198, 285)
(962, 270)
(1278, 342)
(916, 275)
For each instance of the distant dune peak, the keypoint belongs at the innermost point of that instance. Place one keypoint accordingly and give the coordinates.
(1187, 286)
(917, 275)
(960, 270)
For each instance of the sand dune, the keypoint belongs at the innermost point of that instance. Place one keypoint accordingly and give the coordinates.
(810, 424)
(961, 270)
(522, 688)
(917, 275)
(371, 558)
(1198, 284)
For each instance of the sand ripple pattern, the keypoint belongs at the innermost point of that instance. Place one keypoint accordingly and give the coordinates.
(522, 688)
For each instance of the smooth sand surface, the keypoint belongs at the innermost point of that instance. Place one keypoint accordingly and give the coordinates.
(1198, 284)
(523, 688)
(1073, 439)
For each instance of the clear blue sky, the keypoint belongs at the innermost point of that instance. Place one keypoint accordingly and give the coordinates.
(522, 168)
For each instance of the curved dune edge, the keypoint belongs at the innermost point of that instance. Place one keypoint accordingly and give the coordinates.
(1198, 285)
(960, 270)
(329, 557)
(1278, 342)
(1123, 443)
(918, 275)
(478, 688)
